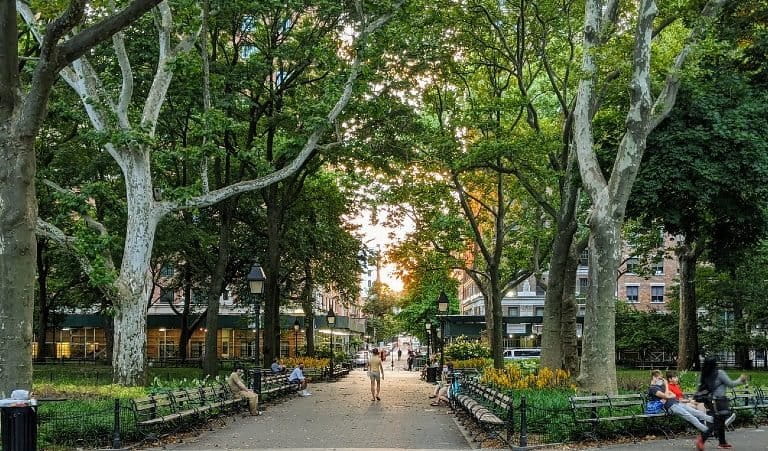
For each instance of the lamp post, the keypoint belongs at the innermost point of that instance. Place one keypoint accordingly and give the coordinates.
(296, 327)
(256, 280)
(428, 326)
(331, 318)
(165, 341)
(442, 310)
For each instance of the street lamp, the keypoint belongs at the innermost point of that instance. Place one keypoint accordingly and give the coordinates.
(442, 310)
(256, 280)
(428, 326)
(165, 341)
(296, 327)
(331, 318)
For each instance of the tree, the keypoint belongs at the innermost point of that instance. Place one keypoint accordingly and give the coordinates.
(130, 146)
(704, 179)
(21, 114)
(609, 196)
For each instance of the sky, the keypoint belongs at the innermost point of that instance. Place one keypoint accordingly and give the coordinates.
(376, 234)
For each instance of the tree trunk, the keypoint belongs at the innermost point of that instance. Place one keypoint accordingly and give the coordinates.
(43, 308)
(570, 340)
(688, 338)
(551, 338)
(18, 248)
(186, 333)
(272, 273)
(598, 360)
(741, 348)
(134, 283)
(495, 332)
(211, 360)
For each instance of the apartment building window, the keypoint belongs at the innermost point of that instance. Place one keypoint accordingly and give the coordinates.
(513, 311)
(584, 258)
(632, 265)
(658, 268)
(657, 294)
(540, 290)
(583, 285)
(166, 295)
(633, 294)
(167, 270)
(539, 311)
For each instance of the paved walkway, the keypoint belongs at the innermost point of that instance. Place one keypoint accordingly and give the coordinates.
(342, 415)
(743, 439)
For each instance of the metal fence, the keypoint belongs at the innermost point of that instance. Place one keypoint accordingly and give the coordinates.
(102, 423)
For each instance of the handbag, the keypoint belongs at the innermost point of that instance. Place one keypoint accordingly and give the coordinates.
(703, 395)
(654, 406)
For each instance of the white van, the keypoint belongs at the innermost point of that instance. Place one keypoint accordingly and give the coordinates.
(522, 353)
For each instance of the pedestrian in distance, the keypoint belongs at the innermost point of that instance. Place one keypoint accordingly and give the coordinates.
(399, 354)
(376, 374)
(714, 381)
(297, 377)
(239, 390)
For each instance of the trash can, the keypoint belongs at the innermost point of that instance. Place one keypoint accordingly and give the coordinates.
(432, 374)
(18, 423)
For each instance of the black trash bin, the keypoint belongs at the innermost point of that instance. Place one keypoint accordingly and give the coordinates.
(19, 428)
(432, 374)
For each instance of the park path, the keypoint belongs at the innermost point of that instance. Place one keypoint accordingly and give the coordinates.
(341, 415)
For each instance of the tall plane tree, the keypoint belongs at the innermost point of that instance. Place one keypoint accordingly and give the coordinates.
(610, 195)
(129, 144)
(22, 110)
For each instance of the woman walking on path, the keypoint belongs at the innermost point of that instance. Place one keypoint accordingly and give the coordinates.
(376, 373)
(716, 381)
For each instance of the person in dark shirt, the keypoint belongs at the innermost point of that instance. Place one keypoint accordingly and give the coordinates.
(658, 390)
(716, 382)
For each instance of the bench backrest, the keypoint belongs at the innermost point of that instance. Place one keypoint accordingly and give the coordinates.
(153, 406)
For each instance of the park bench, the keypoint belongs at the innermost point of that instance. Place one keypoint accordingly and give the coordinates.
(490, 408)
(625, 410)
(160, 410)
(276, 385)
(749, 399)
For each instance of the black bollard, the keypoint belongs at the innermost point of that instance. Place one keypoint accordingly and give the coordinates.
(523, 424)
(116, 442)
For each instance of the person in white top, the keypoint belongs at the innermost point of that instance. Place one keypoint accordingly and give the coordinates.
(297, 377)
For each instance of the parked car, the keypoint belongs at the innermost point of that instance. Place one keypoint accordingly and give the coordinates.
(361, 358)
(522, 353)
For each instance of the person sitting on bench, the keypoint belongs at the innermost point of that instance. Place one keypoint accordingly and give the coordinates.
(239, 390)
(297, 377)
(658, 389)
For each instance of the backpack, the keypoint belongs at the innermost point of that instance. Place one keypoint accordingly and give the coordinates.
(654, 406)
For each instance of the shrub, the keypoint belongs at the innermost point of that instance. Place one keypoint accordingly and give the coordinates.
(514, 377)
(463, 349)
(309, 362)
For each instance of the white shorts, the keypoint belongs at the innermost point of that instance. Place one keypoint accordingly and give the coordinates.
(374, 375)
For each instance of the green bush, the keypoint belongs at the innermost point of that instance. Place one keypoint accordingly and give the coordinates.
(464, 349)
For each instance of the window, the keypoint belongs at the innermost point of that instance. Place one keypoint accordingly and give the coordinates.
(540, 290)
(166, 295)
(658, 268)
(584, 258)
(167, 270)
(513, 311)
(631, 265)
(583, 285)
(657, 294)
(539, 311)
(633, 292)
(537, 329)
